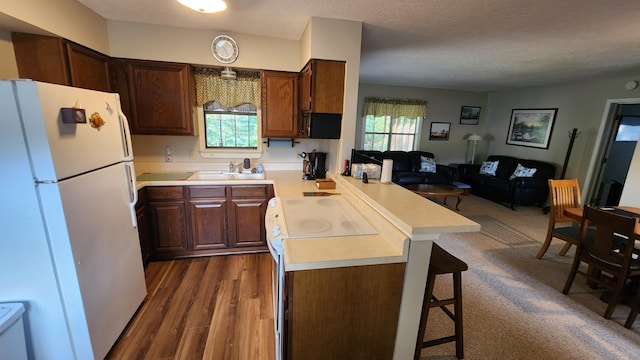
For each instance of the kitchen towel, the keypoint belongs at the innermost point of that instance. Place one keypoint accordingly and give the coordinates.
(387, 168)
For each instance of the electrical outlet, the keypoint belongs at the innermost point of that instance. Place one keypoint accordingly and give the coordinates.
(167, 154)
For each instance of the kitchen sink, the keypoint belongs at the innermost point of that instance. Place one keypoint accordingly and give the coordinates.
(217, 175)
(209, 175)
(251, 176)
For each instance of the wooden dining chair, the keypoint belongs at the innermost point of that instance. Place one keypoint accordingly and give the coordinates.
(563, 194)
(609, 254)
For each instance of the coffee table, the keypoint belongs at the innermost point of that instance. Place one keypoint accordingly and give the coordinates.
(437, 191)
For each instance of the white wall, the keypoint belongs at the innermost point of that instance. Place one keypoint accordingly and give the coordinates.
(631, 190)
(65, 18)
(323, 39)
(442, 106)
(332, 39)
(9, 68)
(165, 43)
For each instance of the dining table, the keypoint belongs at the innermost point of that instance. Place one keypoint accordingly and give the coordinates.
(577, 212)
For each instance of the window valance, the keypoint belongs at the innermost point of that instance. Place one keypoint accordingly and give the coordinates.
(395, 108)
(210, 86)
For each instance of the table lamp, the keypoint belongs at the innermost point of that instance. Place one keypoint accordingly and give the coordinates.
(475, 138)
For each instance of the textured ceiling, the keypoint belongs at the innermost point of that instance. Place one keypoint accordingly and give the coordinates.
(478, 45)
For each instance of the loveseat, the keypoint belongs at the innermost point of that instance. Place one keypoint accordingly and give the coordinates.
(408, 166)
(524, 187)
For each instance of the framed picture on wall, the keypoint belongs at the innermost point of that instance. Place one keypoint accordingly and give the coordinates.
(470, 115)
(531, 127)
(439, 131)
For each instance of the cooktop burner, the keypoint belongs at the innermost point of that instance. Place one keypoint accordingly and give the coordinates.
(324, 217)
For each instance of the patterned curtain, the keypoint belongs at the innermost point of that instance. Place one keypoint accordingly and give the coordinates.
(228, 93)
(395, 108)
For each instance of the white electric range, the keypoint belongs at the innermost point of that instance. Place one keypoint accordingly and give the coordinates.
(303, 218)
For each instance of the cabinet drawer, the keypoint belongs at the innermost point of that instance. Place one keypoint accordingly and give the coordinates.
(165, 192)
(259, 191)
(206, 191)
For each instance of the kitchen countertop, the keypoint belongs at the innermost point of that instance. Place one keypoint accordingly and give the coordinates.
(407, 224)
(398, 205)
(164, 176)
(405, 209)
(389, 246)
(398, 215)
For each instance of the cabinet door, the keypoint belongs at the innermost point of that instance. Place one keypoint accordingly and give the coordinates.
(161, 96)
(59, 61)
(305, 88)
(169, 228)
(322, 86)
(41, 58)
(249, 222)
(247, 211)
(327, 86)
(168, 220)
(209, 223)
(88, 69)
(279, 104)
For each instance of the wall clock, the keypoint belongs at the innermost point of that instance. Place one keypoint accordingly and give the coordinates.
(224, 49)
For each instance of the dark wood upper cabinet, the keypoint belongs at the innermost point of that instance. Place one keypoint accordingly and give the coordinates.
(160, 96)
(60, 61)
(322, 86)
(279, 104)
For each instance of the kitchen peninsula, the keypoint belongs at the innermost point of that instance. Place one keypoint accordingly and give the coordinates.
(405, 235)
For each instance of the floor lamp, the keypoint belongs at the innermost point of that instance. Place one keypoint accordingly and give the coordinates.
(475, 138)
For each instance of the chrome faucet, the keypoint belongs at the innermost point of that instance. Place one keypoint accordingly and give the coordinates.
(232, 168)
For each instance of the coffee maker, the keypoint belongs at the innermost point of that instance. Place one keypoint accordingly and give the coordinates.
(314, 165)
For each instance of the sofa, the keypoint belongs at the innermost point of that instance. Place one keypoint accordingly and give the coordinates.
(407, 166)
(507, 187)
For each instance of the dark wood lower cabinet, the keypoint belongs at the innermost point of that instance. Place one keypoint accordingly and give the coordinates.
(343, 313)
(208, 207)
(248, 207)
(209, 225)
(169, 224)
(188, 221)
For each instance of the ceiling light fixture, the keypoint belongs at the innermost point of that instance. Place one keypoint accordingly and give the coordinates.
(205, 6)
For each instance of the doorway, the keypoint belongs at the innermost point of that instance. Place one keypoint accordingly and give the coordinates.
(620, 134)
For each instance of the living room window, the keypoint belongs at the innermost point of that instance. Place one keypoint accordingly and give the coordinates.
(392, 124)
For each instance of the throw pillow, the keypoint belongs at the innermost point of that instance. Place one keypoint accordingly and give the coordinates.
(522, 171)
(427, 164)
(489, 167)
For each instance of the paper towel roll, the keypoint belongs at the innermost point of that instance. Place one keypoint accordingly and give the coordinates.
(387, 167)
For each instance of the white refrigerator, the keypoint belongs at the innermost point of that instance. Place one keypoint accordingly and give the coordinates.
(69, 247)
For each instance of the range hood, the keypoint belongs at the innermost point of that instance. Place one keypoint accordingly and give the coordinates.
(322, 125)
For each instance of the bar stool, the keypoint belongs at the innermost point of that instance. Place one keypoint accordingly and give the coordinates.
(443, 263)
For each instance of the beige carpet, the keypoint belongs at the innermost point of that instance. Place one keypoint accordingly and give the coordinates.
(513, 303)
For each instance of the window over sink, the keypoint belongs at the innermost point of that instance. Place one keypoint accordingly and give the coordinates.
(228, 113)
(230, 128)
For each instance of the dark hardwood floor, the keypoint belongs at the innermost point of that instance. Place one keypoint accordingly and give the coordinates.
(215, 308)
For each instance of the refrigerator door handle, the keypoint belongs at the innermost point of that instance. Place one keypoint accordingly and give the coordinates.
(126, 133)
(133, 192)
